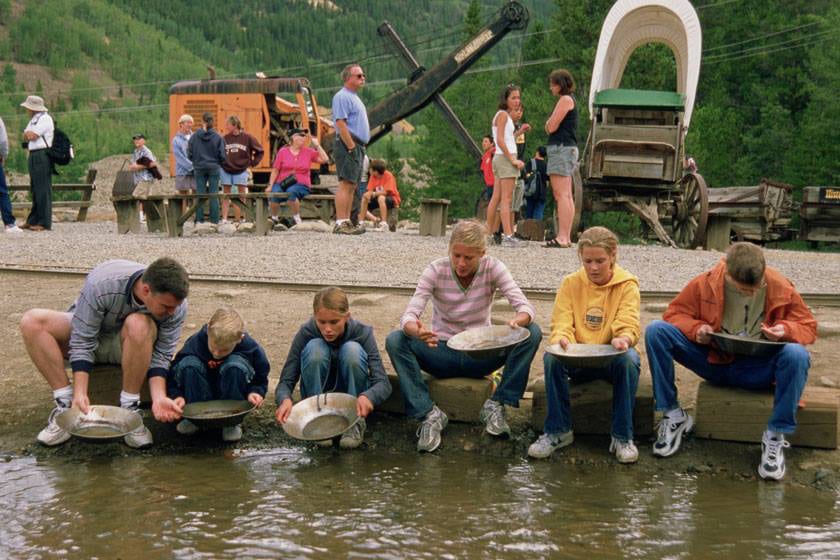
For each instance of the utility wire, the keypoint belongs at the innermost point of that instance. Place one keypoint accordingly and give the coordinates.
(781, 32)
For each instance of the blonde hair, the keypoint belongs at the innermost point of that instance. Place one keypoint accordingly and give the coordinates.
(333, 299)
(598, 237)
(234, 120)
(471, 233)
(226, 327)
(745, 263)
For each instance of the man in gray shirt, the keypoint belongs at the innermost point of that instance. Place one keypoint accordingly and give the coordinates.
(9, 225)
(126, 314)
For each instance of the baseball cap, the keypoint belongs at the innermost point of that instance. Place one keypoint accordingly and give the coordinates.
(138, 136)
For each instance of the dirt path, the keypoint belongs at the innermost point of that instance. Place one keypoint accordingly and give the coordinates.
(273, 317)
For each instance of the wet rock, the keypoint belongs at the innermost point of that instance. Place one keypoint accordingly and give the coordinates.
(826, 381)
(469, 446)
(701, 468)
(820, 474)
(227, 229)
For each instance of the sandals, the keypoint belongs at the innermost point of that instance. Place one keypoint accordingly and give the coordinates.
(554, 244)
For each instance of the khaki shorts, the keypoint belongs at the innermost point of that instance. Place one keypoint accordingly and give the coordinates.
(185, 182)
(503, 168)
(109, 349)
(145, 189)
(561, 160)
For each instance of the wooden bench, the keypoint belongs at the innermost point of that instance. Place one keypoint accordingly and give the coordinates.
(731, 414)
(165, 212)
(592, 407)
(460, 398)
(86, 189)
(433, 216)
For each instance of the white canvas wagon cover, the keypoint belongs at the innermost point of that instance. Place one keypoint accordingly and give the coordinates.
(633, 23)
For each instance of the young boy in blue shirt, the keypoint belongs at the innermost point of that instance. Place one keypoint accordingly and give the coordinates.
(221, 361)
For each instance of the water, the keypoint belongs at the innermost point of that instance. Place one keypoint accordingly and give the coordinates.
(296, 503)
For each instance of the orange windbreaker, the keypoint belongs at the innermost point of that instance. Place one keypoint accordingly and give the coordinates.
(701, 302)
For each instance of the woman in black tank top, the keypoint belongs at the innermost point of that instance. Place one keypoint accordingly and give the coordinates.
(561, 128)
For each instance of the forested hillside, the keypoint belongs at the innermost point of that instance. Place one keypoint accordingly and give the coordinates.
(766, 107)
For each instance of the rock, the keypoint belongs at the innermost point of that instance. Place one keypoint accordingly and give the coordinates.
(656, 307)
(313, 225)
(820, 474)
(826, 381)
(828, 329)
(204, 228)
(227, 229)
(246, 227)
(367, 300)
(469, 446)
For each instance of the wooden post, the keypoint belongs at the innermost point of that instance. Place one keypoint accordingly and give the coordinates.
(128, 220)
(433, 216)
(592, 407)
(731, 414)
(717, 232)
(87, 194)
(172, 207)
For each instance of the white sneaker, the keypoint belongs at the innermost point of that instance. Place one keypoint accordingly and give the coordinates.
(353, 438)
(546, 444)
(625, 451)
(13, 229)
(186, 428)
(53, 434)
(141, 437)
(232, 433)
(142, 218)
(670, 434)
(772, 464)
(493, 416)
(383, 226)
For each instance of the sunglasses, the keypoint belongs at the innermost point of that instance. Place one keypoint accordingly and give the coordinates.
(359, 75)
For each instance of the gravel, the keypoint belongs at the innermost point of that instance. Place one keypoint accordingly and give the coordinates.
(375, 258)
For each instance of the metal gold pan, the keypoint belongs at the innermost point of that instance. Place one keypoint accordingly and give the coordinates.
(488, 342)
(217, 414)
(102, 423)
(585, 355)
(322, 416)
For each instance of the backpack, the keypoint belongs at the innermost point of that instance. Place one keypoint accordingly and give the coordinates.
(532, 182)
(61, 151)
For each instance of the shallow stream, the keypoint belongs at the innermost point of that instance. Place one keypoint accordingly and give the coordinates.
(299, 503)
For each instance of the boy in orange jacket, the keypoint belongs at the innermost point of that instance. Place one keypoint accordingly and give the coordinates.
(739, 295)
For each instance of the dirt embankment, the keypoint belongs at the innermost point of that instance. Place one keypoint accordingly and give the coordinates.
(273, 317)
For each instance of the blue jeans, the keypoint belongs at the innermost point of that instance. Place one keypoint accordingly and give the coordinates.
(623, 373)
(534, 208)
(207, 182)
(409, 355)
(319, 360)
(5, 201)
(788, 368)
(198, 385)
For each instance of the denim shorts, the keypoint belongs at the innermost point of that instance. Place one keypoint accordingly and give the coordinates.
(503, 168)
(296, 192)
(234, 178)
(561, 160)
(348, 164)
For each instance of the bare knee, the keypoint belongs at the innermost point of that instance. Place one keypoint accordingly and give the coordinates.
(138, 328)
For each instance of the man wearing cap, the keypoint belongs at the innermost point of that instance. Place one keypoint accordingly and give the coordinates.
(38, 135)
(351, 123)
(184, 174)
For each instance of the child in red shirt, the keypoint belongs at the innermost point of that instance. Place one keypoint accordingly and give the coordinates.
(381, 187)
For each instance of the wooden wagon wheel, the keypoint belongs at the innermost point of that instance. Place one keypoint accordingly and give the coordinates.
(577, 194)
(691, 212)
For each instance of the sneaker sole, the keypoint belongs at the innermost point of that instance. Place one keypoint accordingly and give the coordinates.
(63, 439)
(687, 427)
(433, 449)
(771, 476)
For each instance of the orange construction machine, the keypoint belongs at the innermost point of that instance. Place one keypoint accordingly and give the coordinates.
(268, 108)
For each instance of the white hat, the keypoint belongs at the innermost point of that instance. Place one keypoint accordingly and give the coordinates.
(34, 103)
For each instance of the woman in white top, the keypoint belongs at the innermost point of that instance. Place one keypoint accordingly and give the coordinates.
(506, 165)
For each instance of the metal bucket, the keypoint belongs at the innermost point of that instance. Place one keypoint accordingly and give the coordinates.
(746, 346)
(322, 416)
(102, 423)
(585, 355)
(217, 414)
(488, 342)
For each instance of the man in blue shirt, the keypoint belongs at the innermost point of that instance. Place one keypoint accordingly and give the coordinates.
(351, 123)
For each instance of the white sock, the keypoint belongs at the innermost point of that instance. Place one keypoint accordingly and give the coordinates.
(296, 218)
(128, 399)
(64, 395)
(338, 221)
(774, 435)
(675, 414)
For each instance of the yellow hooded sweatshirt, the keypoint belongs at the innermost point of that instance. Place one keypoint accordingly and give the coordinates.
(586, 313)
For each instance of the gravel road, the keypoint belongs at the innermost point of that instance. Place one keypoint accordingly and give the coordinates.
(392, 259)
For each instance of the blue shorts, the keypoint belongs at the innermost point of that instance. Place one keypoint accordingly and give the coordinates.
(296, 192)
(233, 178)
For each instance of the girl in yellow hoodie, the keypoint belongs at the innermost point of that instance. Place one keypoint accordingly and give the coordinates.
(598, 304)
